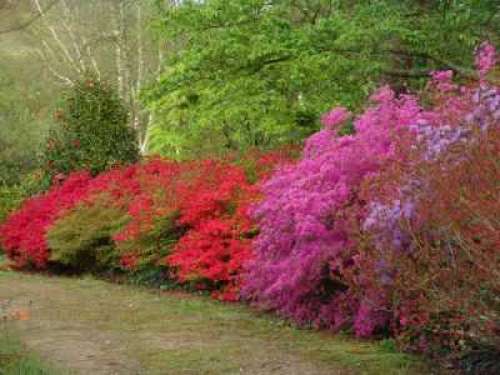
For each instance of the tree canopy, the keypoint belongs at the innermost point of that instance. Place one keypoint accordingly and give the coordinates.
(248, 73)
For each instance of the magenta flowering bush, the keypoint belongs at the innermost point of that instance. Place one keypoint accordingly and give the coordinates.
(351, 193)
(309, 216)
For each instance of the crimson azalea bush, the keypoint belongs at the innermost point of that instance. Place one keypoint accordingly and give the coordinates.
(191, 217)
(214, 209)
(23, 234)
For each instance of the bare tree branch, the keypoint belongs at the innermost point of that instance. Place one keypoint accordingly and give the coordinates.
(29, 22)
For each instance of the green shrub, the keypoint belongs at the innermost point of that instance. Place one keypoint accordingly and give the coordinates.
(82, 239)
(92, 132)
(154, 244)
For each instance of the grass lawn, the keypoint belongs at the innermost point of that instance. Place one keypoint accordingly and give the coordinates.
(15, 359)
(93, 327)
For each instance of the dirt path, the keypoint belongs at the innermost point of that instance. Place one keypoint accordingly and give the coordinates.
(92, 327)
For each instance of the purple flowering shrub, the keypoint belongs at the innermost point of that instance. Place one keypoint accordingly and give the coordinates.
(309, 216)
(435, 228)
(333, 225)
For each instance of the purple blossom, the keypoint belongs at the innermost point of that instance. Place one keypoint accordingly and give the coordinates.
(442, 79)
(384, 222)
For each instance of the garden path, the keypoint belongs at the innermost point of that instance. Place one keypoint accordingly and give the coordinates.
(86, 326)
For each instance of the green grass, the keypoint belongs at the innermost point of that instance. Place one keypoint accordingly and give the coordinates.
(182, 334)
(16, 360)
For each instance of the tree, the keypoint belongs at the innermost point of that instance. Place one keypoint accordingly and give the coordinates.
(92, 133)
(259, 72)
(109, 39)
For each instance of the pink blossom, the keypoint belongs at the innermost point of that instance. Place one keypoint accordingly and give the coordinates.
(485, 58)
(442, 80)
(335, 117)
(383, 94)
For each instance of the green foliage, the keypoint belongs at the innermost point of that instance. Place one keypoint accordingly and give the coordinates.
(23, 119)
(92, 131)
(82, 239)
(258, 73)
(34, 182)
(155, 244)
(11, 196)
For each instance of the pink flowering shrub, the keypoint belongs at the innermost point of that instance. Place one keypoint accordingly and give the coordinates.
(328, 222)
(485, 58)
(308, 218)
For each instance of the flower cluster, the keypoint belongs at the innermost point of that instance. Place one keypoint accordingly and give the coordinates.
(485, 58)
(213, 208)
(23, 234)
(306, 219)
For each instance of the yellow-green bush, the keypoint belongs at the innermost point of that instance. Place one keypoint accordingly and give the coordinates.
(82, 239)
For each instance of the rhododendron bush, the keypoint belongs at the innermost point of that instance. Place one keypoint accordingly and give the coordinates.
(333, 225)
(436, 235)
(445, 288)
(306, 220)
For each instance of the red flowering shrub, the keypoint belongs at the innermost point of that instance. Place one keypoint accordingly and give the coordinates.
(152, 204)
(211, 256)
(214, 199)
(259, 165)
(190, 216)
(23, 234)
